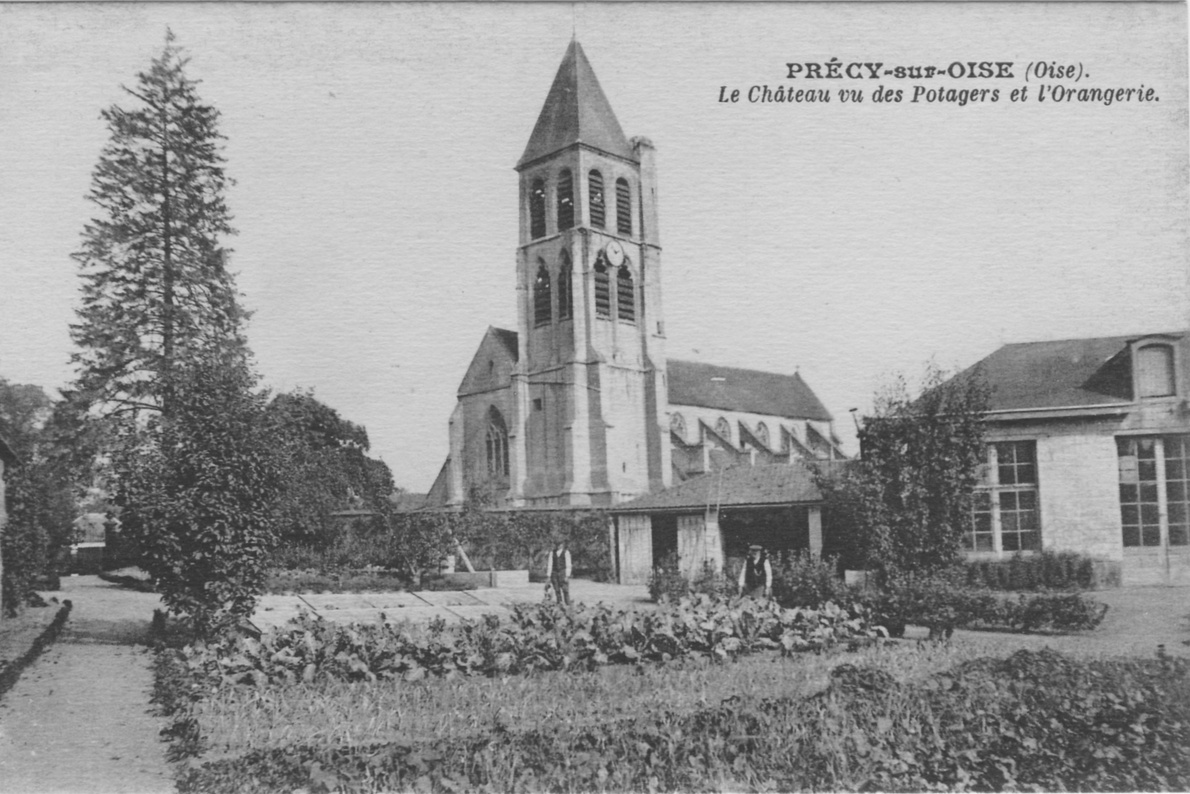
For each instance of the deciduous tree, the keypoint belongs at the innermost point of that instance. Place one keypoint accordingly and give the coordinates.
(904, 505)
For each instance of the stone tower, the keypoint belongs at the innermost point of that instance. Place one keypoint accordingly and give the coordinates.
(589, 386)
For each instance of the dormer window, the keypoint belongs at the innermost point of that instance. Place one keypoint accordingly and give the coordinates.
(565, 200)
(537, 209)
(1155, 371)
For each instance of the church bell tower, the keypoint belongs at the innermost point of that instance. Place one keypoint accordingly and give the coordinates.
(589, 387)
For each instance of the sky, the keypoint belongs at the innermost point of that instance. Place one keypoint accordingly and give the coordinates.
(373, 149)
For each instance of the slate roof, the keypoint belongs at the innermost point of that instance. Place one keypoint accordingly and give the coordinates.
(576, 111)
(694, 383)
(1065, 373)
(769, 484)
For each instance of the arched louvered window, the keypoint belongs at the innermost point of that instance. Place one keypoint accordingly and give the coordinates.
(623, 207)
(603, 296)
(497, 444)
(762, 434)
(723, 428)
(677, 425)
(595, 199)
(565, 200)
(541, 296)
(537, 209)
(1155, 373)
(625, 295)
(565, 293)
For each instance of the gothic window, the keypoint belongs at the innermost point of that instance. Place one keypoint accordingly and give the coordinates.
(565, 295)
(623, 207)
(497, 444)
(565, 200)
(603, 298)
(625, 295)
(537, 209)
(762, 434)
(595, 198)
(723, 428)
(677, 425)
(1155, 371)
(541, 296)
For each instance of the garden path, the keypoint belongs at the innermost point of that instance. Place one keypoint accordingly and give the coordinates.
(79, 720)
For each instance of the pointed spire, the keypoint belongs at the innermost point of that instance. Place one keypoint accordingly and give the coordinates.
(576, 111)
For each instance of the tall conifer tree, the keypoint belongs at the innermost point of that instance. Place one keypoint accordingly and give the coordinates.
(156, 292)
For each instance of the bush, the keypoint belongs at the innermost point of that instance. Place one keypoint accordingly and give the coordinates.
(801, 579)
(668, 582)
(943, 604)
(1036, 721)
(197, 491)
(1047, 570)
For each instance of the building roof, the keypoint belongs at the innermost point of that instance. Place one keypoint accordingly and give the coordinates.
(737, 486)
(576, 111)
(734, 389)
(1064, 373)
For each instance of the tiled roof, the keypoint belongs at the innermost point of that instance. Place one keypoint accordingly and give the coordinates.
(1066, 373)
(576, 111)
(770, 484)
(734, 389)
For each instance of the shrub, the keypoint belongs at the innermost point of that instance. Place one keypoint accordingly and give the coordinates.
(668, 582)
(197, 490)
(801, 579)
(1047, 570)
(943, 604)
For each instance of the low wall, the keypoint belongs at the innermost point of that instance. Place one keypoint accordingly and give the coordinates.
(488, 578)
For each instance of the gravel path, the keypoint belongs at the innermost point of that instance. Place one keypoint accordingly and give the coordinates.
(79, 718)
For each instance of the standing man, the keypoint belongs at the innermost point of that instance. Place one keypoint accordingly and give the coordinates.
(557, 572)
(756, 577)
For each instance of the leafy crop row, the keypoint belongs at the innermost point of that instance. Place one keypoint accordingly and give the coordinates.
(536, 637)
(1038, 720)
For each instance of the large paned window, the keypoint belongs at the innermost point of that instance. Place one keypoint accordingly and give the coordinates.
(537, 209)
(497, 444)
(565, 200)
(1154, 475)
(595, 199)
(541, 296)
(623, 207)
(1005, 515)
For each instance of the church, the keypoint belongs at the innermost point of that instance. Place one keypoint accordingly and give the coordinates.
(580, 406)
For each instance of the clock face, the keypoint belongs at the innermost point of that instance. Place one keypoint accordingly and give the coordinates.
(615, 253)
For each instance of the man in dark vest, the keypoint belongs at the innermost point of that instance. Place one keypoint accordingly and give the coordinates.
(557, 572)
(756, 577)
